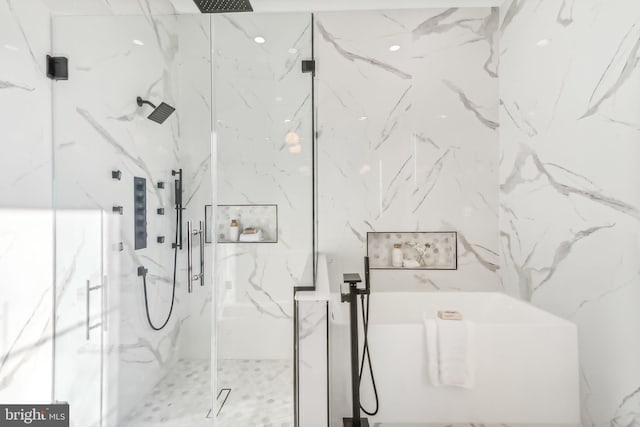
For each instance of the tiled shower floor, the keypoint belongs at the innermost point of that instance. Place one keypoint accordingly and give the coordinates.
(182, 398)
(261, 395)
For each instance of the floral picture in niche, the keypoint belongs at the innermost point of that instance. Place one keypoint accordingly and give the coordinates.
(413, 250)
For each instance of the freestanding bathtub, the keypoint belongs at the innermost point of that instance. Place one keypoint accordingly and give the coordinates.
(526, 362)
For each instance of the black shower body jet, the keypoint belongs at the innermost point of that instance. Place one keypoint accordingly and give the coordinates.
(159, 113)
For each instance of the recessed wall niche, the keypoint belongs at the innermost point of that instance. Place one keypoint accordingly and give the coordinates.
(433, 250)
(256, 223)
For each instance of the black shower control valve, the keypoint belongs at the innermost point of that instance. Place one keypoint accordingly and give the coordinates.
(142, 271)
(161, 185)
(140, 212)
(116, 175)
(160, 239)
(160, 211)
(120, 246)
(118, 209)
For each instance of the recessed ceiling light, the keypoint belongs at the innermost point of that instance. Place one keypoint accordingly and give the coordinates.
(259, 40)
(10, 47)
(138, 42)
(394, 48)
(543, 42)
(287, 120)
(363, 118)
(279, 99)
(292, 50)
(443, 116)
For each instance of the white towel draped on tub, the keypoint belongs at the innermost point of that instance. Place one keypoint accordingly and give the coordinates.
(450, 345)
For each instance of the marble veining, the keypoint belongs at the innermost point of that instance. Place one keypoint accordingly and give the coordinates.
(568, 198)
(115, 134)
(26, 271)
(263, 137)
(412, 147)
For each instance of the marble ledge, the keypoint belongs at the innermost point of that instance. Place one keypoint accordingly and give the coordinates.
(322, 292)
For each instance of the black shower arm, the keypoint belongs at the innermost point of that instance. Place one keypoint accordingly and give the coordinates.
(141, 102)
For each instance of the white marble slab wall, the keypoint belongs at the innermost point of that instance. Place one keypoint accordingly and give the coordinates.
(99, 128)
(570, 201)
(408, 140)
(313, 333)
(26, 236)
(263, 130)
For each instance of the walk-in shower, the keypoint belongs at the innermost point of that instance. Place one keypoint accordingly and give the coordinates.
(162, 309)
(154, 322)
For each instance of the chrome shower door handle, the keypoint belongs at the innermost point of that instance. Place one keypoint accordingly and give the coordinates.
(190, 257)
(201, 233)
(89, 327)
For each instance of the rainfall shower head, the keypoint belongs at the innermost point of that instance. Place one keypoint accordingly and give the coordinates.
(159, 113)
(223, 6)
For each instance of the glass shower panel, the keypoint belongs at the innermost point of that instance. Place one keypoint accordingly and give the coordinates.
(112, 280)
(264, 218)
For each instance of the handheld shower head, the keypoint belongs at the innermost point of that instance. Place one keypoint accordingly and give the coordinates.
(160, 113)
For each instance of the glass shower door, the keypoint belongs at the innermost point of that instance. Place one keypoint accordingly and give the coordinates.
(264, 217)
(117, 269)
(79, 313)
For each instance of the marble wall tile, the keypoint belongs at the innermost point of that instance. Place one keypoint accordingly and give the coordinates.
(26, 236)
(408, 141)
(26, 321)
(26, 93)
(98, 123)
(263, 137)
(104, 126)
(568, 194)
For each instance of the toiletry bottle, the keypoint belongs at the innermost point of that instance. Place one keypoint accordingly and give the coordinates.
(396, 255)
(234, 231)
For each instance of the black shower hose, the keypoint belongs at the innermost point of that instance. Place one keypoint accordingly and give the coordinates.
(365, 353)
(173, 292)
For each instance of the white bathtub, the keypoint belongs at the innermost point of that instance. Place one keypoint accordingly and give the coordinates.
(526, 362)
